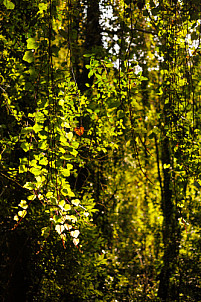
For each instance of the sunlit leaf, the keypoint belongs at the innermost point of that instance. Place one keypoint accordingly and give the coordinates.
(28, 56)
(32, 44)
(75, 233)
(22, 213)
(9, 4)
(23, 204)
(67, 207)
(29, 186)
(16, 218)
(76, 202)
(59, 228)
(76, 241)
(69, 135)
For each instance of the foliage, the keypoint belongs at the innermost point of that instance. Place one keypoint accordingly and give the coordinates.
(100, 150)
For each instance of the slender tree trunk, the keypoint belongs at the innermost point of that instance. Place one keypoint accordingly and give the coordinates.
(170, 226)
(167, 208)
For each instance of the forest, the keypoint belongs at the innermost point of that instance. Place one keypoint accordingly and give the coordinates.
(100, 161)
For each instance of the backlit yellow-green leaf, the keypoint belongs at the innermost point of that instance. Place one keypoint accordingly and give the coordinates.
(76, 202)
(67, 207)
(28, 56)
(59, 228)
(76, 241)
(8, 4)
(22, 213)
(31, 43)
(69, 135)
(75, 233)
(23, 204)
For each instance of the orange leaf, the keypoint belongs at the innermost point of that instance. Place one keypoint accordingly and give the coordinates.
(79, 130)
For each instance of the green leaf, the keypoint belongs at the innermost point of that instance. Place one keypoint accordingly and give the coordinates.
(35, 171)
(25, 146)
(62, 203)
(8, 4)
(90, 73)
(31, 197)
(59, 228)
(66, 190)
(32, 44)
(42, 7)
(66, 171)
(76, 241)
(75, 233)
(166, 166)
(69, 135)
(43, 161)
(37, 128)
(49, 194)
(32, 72)
(26, 130)
(143, 78)
(74, 152)
(22, 213)
(76, 202)
(53, 201)
(67, 207)
(22, 166)
(87, 55)
(28, 56)
(23, 204)
(22, 169)
(43, 145)
(29, 186)
(64, 141)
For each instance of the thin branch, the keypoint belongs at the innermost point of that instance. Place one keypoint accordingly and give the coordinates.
(158, 166)
(13, 180)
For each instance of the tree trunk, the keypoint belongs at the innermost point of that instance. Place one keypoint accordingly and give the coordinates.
(170, 226)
